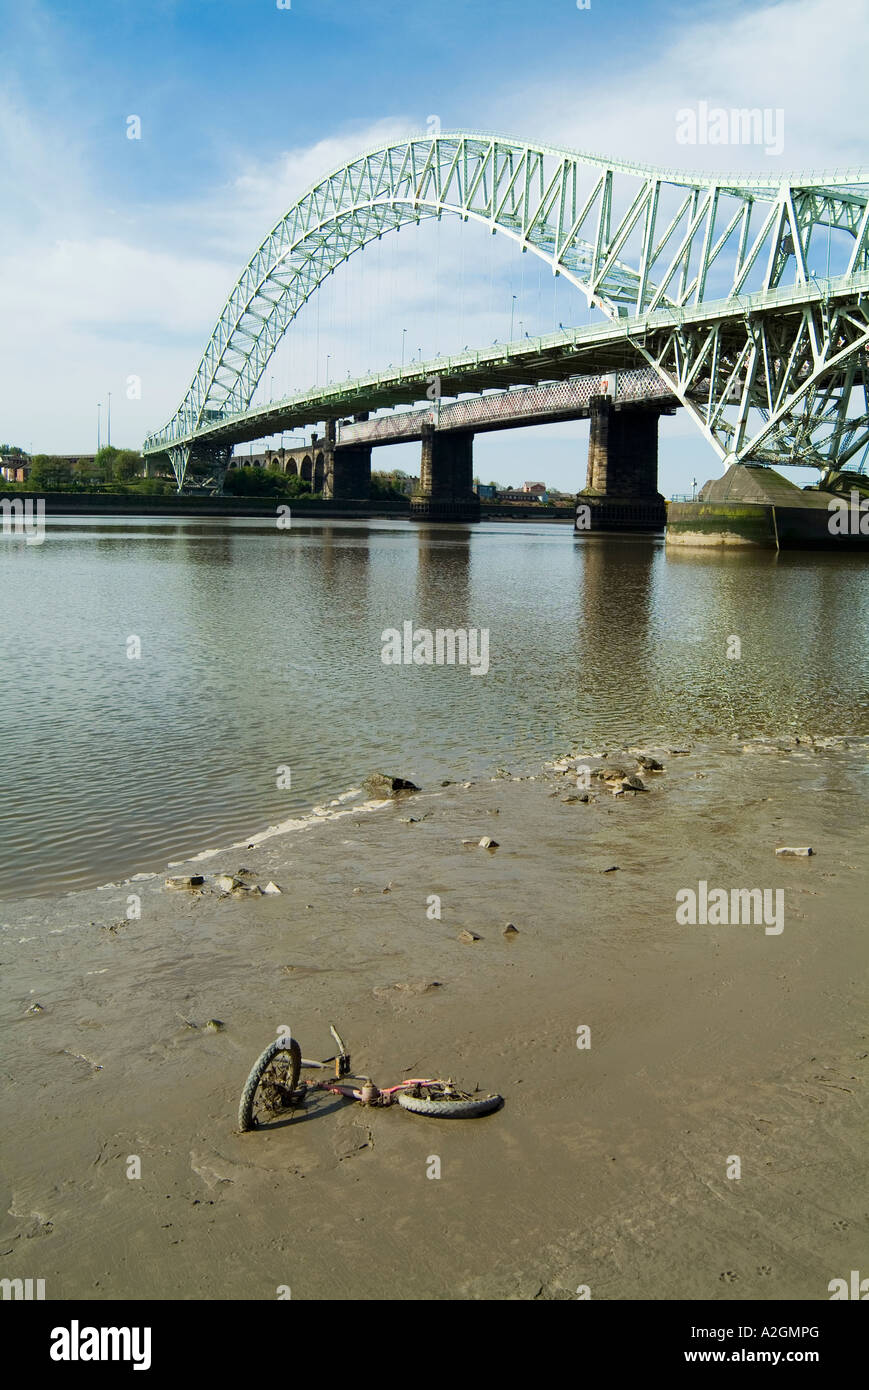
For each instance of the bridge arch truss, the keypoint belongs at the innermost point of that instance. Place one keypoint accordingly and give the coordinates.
(710, 279)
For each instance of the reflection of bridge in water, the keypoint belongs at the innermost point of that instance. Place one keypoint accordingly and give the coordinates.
(705, 282)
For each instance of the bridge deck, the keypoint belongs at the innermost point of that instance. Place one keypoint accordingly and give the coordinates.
(500, 410)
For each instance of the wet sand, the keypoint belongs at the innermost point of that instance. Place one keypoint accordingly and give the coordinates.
(607, 1166)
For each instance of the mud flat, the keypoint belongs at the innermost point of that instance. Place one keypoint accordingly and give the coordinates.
(608, 1165)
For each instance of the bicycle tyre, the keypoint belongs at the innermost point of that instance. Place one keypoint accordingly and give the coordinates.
(450, 1109)
(245, 1106)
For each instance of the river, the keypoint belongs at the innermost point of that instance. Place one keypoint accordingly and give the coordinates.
(257, 687)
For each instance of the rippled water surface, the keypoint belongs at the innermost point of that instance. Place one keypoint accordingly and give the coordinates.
(262, 648)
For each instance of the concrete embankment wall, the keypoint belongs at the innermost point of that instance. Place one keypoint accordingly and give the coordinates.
(712, 524)
(119, 504)
(125, 504)
(704, 524)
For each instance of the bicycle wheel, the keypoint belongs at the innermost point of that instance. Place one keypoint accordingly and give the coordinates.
(270, 1081)
(445, 1103)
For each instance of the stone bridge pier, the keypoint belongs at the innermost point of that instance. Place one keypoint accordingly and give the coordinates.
(348, 467)
(446, 478)
(621, 490)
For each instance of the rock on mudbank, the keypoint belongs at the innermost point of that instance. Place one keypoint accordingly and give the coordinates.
(382, 785)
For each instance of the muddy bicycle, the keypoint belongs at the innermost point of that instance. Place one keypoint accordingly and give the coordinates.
(274, 1085)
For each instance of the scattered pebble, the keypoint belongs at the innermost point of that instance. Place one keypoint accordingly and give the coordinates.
(185, 881)
(510, 930)
(468, 937)
(214, 1025)
(487, 842)
(272, 887)
(789, 852)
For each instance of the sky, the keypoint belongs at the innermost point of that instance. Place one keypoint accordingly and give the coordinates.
(117, 254)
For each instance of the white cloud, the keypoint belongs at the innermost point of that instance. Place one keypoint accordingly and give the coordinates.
(806, 57)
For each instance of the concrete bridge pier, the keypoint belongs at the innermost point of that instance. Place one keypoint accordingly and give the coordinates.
(446, 478)
(621, 490)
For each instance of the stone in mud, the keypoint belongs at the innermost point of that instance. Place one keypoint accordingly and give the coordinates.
(36, 1009)
(185, 881)
(423, 986)
(468, 937)
(510, 930)
(634, 784)
(611, 774)
(487, 842)
(214, 1025)
(649, 764)
(381, 785)
(790, 852)
(226, 882)
(272, 887)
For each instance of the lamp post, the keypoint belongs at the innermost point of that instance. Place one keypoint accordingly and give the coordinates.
(403, 336)
(512, 312)
(328, 360)
(109, 423)
(99, 413)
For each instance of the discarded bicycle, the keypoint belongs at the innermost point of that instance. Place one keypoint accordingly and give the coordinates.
(274, 1085)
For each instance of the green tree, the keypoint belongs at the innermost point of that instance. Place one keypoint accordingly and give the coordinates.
(48, 471)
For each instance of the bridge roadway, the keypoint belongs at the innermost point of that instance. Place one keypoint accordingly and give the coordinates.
(622, 457)
(593, 349)
(545, 404)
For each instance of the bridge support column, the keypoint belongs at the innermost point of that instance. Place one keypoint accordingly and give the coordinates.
(621, 491)
(348, 472)
(446, 478)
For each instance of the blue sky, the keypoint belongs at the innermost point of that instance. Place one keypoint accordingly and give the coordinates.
(116, 255)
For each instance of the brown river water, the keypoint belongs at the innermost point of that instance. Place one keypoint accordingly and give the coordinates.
(258, 687)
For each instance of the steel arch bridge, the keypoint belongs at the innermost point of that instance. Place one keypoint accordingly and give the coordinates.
(707, 279)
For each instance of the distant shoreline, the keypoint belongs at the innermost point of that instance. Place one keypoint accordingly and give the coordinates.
(130, 504)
